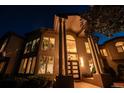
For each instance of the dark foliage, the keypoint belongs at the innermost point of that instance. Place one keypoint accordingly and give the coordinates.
(25, 82)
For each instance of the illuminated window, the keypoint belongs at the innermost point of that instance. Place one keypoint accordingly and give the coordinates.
(46, 65)
(50, 65)
(48, 43)
(3, 45)
(21, 66)
(120, 46)
(28, 47)
(33, 65)
(32, 46)
(2, 66)
(42, 65)
(87, 47)
(27, 65)
(72, 56)
(52, 43)
(71, 44)
(104, 52)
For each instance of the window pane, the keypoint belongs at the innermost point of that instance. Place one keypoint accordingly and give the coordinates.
(120, 49)
(52, 42)
(105, 52)
(29, 65)
(45, 44)
(101, 52)
(75, 71)
(71, 44)
(119, 44)
(69, 37)
(26, 48)
(1, 66)
(21, 66)
(76, 76)
(50, 65)
(42, 64)
(33, 65)
(33, 45)
(42, 69)
(3, 46)
(72, 57)
(24, 65)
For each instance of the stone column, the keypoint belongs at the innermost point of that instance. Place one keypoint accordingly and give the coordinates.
(100, 59)
(97, 55)
(93, 55)
(65, 46)
(60, 47)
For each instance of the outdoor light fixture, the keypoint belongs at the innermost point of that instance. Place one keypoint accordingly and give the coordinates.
(82, 62)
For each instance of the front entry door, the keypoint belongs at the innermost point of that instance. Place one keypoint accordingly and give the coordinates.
(73, 69)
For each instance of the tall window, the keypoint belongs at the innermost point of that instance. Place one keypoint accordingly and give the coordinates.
(3, 45)
(71, 44)
(87, 47)
(32, 46)
(104, 52)
(120, 46)
(71, 48)
(48, 43)
(46, 65)
(27, 65)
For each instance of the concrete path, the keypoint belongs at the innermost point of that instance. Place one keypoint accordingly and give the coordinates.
(84, 85)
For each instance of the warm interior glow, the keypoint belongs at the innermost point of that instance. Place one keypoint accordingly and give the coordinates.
(71, 44)
(82, 62)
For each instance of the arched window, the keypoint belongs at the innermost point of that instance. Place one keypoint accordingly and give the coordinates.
(71, 47)
(120, 46)
(71, 44)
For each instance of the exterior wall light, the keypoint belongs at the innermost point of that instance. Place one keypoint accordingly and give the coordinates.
(82, 62)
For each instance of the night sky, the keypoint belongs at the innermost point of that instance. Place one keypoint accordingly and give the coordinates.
(22, 19)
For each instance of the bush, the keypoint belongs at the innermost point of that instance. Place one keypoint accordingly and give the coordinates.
(25, 82)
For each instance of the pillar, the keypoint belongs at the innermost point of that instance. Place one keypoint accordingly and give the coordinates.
(93, 55)
(65, 46)
(60, 47)
(96, 52)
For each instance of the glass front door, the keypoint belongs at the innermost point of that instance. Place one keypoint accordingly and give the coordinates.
(73, 69)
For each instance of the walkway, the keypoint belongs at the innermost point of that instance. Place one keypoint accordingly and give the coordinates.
(84, 85)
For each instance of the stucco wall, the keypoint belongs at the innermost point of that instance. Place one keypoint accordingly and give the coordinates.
(14, 44)
(114, 57)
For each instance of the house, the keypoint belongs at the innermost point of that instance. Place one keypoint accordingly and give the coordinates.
(113, 56)
(10, 47)
(64, 50)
